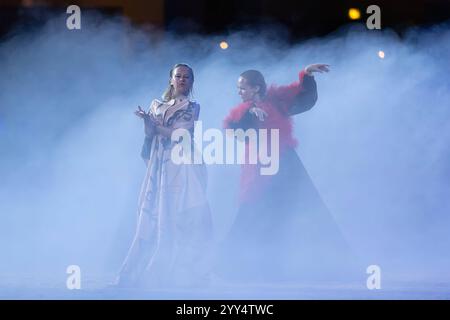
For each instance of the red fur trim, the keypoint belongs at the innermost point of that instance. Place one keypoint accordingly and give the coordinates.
(236, 114)
(284, 96)
(301, 76)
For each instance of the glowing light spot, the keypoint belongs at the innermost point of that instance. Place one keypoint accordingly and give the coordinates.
(354, 13)
(381, 54)
(223, 45)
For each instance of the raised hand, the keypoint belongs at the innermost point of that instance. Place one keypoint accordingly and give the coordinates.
(149, 122)
(317, 67)
(141, 113)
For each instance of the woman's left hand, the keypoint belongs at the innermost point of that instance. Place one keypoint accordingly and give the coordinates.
(317, 67)
(258, 112)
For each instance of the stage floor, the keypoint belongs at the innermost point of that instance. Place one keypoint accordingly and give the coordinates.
(99, 288)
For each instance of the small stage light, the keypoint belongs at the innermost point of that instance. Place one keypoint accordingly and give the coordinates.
(223, 45)
(354, 13)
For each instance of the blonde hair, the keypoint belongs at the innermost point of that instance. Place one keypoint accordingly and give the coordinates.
(168, 93)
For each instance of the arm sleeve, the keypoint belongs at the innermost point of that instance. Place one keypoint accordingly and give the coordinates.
(297, 97)
(146, 148)
(148, 140)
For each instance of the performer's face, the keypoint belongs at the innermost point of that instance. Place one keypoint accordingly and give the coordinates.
(181, 80)
(245, 90)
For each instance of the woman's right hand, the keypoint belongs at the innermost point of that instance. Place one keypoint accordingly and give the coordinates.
(141, 113)
(149, 124)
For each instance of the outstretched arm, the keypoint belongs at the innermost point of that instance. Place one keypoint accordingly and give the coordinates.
(299, 96)
(306, 98)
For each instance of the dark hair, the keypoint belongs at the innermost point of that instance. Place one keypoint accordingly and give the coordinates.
(255, 78)
(168, 93)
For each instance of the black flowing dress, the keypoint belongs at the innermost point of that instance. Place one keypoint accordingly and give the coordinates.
(283, 231)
